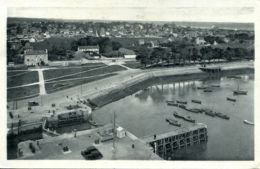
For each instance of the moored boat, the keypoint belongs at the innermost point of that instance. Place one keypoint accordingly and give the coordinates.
(196, 101)
(173, 104)
(240, 92)
(215, 85)
(173, 122)
(231, 99)
(181, 102)
(175, 114)
(223, 116)
(209, 113)
(248, 122)
(195, 110)
(182, 106)
(189, 119)
(202, 87)
(207, 90)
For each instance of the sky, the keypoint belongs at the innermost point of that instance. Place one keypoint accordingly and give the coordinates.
(138, 10)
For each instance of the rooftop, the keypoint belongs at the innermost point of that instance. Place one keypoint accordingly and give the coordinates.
(35, 52)
(89, 47)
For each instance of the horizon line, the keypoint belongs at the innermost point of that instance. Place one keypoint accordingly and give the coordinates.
(119, 20)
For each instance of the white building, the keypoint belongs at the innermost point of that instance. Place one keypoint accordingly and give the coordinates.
(89, 49)
(127, 53)
(35, 57)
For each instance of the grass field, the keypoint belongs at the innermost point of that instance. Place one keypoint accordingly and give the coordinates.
(61, 85)
(16, 73)
(21, 79)
(56, 74)
(133, 64)
(64, 71)
(19, 93)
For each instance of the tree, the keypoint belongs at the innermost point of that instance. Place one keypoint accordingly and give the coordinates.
(143, 54)
(116, 45)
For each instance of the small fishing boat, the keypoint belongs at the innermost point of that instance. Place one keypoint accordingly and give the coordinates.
(223, 116)
(181, 102)
(209, 113)
(207, 90)
(173, 122)
(175, 114)
(231, 99)
(189, 119)
(248, 122)
(170, 101)
(182, 106)
(173, 104)
(234, 77)
(239, 92)
(215, 85)
(202, 87)
(196, 101)
(195, 110)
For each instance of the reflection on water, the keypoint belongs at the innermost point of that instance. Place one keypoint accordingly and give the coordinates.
(144, 113)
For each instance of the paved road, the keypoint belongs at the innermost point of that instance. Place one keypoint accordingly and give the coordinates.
(123, 78)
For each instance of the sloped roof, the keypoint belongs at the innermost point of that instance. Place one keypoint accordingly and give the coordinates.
(89, 47)
(126, 51)
(35, 52)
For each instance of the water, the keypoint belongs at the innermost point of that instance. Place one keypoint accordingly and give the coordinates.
(144, 113)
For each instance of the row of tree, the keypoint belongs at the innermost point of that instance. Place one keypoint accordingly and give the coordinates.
(184, 55)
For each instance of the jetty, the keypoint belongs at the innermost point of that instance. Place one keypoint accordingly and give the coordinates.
(164, 145)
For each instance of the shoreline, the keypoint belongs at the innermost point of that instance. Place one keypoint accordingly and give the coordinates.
(120, 81)
(123, 91)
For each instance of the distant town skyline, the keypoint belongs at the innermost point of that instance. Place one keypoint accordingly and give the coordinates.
(189, 14)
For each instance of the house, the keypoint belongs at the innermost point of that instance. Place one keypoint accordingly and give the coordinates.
(89, 49)
(32, 40)
(35, 57)
(127, 53)
(200, 41)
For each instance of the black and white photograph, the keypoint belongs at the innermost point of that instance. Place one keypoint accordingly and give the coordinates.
(149, 82)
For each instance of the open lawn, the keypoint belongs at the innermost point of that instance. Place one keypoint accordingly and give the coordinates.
(133, 64)
(64, 71)
(67, 73)
(22, 92)
(16, 73)
(60, 85)
(22, 78)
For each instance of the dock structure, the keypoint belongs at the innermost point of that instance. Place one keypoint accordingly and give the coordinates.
(164, 145)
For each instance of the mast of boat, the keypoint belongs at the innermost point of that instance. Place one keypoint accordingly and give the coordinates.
(114, 135)
(237, 85)
(114, 130)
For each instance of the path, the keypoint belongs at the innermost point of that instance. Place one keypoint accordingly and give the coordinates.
(41, 82)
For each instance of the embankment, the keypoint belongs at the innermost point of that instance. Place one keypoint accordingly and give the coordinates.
(142, 82)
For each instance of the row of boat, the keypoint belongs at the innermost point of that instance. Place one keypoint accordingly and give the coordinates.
(175, 122)
(196, 110)
(173, 103)
(207, 112)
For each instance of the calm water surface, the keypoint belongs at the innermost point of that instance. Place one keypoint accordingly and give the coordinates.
(144, 113)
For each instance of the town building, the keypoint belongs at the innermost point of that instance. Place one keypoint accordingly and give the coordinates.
(35, 57)
(127, 53)
(89, 49)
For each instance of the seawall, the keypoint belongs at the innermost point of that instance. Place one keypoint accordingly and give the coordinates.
(142, 82)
